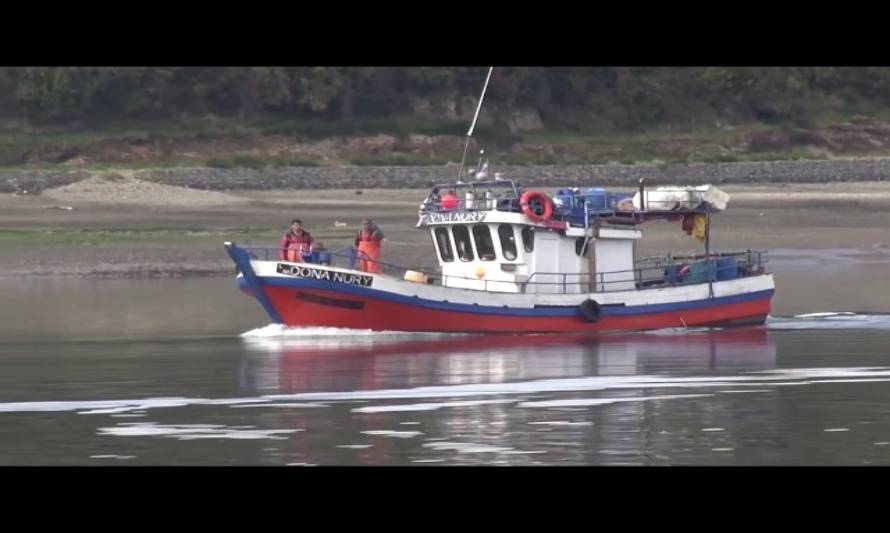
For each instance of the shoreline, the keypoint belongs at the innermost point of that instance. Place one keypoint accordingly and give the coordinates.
(127, 228)
(853, 170)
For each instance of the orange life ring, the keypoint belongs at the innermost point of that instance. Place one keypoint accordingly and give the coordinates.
(528, 197)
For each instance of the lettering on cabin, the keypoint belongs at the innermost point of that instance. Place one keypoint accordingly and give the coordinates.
(325, 275)
(455, 216)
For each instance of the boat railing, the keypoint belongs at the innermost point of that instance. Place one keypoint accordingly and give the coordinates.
(510, 205)
(348, 257)
(648, 273)
(655, 209)
(654, 272)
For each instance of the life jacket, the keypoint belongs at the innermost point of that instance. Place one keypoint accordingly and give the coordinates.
(375, 235)
(368, 244)
(292, 246)
(450, 201)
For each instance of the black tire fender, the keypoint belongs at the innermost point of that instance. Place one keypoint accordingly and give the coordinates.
(589, 310)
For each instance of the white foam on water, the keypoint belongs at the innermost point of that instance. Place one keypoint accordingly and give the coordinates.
(679, 331)
(409, 423)
(428, 461)
(467, 447)
(713, 429)
(826, 314)
(98, 406)
(589, 402)
(834, 430)
(830, 320)
(278, 331)
(820, 320)
(722, 449)
(424, 406)
(280, 405)
(875, 380)
(771, 378)
(193, 431)
(393, 433)
(112, 457)
(882, 443)
(151, 403)
(560, 423)
(355, 446)
(521, 452)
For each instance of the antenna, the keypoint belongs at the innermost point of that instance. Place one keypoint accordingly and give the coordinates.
(473, 125)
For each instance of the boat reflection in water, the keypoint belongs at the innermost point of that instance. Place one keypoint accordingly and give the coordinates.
(334, 362)
(471, 399)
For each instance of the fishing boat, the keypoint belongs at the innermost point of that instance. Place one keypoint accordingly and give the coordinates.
(512, 260)
(517, 260)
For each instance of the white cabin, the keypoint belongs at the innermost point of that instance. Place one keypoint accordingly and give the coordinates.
(500, 251)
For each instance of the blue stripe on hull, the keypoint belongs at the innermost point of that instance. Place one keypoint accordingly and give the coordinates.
(549, 311)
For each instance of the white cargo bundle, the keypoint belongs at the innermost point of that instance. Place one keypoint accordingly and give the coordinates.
(675, 198)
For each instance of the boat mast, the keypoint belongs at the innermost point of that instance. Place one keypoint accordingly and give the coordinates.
(473, 125)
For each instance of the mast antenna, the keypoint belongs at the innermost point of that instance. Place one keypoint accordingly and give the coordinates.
(463, 158)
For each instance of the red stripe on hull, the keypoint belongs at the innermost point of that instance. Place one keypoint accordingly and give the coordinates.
(331, 309)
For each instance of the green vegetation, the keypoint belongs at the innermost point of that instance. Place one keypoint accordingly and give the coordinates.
(323, 101)
(106, 117)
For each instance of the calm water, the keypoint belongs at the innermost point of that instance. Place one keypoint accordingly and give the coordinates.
(187, 372)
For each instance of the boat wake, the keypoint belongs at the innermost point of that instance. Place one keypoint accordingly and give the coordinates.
(280, 330)
(825, 320)
(280, 335)
(637, 388)
(830, 320)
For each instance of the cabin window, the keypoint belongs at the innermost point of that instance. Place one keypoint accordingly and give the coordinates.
(579, 246)
(443, 242)
(462, 243)
(508, 241)
(528, 239)
(484, 244)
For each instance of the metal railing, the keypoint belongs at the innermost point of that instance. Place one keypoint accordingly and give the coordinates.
(657, 272)
(648, 273)
(510, 205)
(349, 257)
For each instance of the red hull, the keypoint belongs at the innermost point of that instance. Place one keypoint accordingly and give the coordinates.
(319, 307)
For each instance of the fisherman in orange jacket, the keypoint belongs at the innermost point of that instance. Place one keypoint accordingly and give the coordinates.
(369, 241)
(295, 242)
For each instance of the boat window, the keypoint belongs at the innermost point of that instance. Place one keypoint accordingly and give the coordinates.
(528, 239)
(462, 243)
(484, 244)
(443, 241)
(579, 246)
(508, 241)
